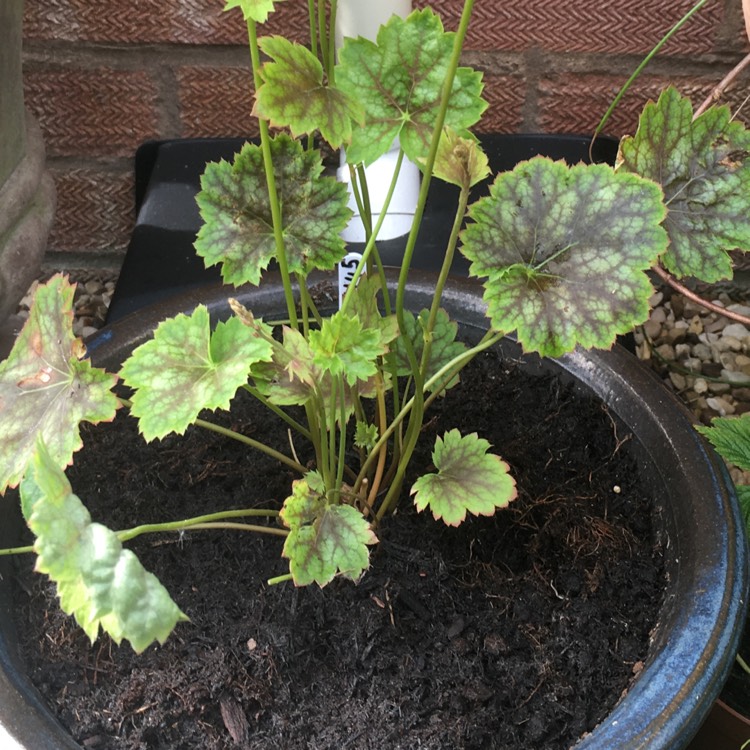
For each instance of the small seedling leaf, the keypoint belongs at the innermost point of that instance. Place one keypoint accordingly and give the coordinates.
(566, 250)
(99, 582)
(253, 10)
(444, 344)
(47, 388)
(238, 229)
(365, 435)
(342, 346)
(399, 82)
(468, 479)
(186, 368)
(460, 160)
(294, 95)
(704, 168)
(324, 539)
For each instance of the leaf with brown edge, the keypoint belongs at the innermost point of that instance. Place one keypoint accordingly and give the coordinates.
(47, 388)
(468, 479)
(325, 539)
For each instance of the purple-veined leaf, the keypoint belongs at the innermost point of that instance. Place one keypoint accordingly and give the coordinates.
(238, 229)
(703, 166)
(565, 250)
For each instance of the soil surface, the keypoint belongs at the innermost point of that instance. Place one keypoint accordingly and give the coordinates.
(519, 631)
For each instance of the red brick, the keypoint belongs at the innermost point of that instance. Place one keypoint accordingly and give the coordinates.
(216, 101)
(100, 112)
(153, 21)
(575, 103)
(626, 26)
(505, 95)
(95, 211)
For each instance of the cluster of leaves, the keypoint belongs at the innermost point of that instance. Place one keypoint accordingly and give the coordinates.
(563, 252)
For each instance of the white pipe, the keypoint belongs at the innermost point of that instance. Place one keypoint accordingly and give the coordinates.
(363, 18)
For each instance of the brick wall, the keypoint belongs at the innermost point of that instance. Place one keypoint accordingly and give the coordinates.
(102, 76)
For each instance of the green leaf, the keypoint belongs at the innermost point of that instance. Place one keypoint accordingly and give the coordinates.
(294, 95)
(365, 435)
(185, 368)
(399, 82)
(566, 250)
(343, 347)
(364, 304)
(46, 387)
(444, 345)
(99, 582)
(460, 160)
(324, 539)
(238, 228)
(468, 479)
(704, 168)
(743, 495)
(731, 438)
(253, 10)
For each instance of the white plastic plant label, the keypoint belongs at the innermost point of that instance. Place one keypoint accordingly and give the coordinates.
(347, 268)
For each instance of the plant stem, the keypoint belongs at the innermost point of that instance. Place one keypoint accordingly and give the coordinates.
(279, 412)
(370, 246)
(463, 201)
(416, 417)
(273, 198)
(646, 60)
(720, 87)
(239, 527)
(200, 522)
(279, 579)
(488, 340)
(382, 422)
(691, 295)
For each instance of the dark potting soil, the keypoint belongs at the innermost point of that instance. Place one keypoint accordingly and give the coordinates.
(519, 631)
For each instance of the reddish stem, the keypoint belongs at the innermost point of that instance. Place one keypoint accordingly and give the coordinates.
(691, 295)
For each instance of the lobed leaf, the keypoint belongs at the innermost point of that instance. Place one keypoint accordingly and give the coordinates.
(294, 95)
(238, 229)
(342, 346)
(47, 388)
(99, 582)
(324, 539)
(565, 250)
(460, 160)
(186, 368)
(399, 82)
(703, 167)
(468, 479)
(444, 345)
(731, 438)
(365, 435)
(364, 304)
(743, 495)
(292, 378)
(253, 10)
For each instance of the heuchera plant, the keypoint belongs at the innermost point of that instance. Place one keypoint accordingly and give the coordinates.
(562, 252)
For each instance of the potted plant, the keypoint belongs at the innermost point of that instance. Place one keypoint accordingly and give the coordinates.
(563, 252)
